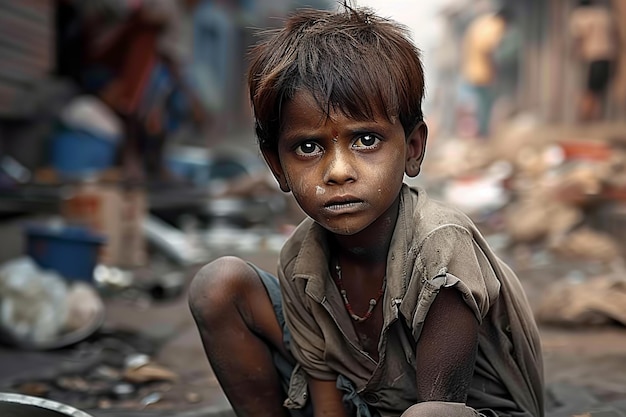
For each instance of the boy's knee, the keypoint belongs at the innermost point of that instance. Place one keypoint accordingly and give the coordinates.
(440, 409)
(217, 285)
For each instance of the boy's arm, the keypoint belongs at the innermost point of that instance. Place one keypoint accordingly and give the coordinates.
(446, 349)
(326, 398)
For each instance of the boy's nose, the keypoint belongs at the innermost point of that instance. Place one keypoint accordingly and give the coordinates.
(339, 167)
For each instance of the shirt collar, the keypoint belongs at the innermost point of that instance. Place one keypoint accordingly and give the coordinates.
(313, 258)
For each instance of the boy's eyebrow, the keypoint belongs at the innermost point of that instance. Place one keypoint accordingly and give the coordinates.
(364, 130)
(360, 128)
(301, 137)
(368, 127)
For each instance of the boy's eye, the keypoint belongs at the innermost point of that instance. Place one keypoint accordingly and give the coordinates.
(366, 141)
(308, 149)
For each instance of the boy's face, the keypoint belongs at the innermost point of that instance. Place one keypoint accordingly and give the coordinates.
(344, 173)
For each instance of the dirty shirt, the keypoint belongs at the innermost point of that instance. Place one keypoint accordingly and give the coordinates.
(433, 246)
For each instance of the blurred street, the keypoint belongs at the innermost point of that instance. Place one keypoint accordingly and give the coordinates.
(128, 161)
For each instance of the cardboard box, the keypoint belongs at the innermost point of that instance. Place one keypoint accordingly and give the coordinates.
(115, 212)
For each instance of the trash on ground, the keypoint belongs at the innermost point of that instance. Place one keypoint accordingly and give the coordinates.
(41, 310)
(585, 302)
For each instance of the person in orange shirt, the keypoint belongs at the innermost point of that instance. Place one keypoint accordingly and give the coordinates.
(481, 39)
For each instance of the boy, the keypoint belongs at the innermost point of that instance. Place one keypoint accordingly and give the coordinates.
(394, 304)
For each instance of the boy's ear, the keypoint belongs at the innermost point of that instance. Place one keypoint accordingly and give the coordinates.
(273, 162)
(416, 147)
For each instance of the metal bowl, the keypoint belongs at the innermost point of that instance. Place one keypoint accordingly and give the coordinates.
(18, 405)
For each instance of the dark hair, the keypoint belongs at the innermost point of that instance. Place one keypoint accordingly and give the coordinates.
(506, 13)
(350, 60)
(585, 2)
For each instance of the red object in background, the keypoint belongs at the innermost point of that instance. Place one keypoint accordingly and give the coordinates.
(614, 193)
(130, 51)
(586, 150)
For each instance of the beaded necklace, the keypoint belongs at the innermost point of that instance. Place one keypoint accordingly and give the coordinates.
(346, 303)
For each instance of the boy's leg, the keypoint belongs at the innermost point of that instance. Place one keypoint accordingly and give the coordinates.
(239, 330)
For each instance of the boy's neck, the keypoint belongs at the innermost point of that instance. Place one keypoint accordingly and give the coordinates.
(370, 245)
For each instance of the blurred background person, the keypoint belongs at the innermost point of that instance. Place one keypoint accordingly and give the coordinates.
(133, 55)
(595, 48)
(482, 38)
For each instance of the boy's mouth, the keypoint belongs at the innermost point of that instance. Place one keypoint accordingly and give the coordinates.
(343, 203)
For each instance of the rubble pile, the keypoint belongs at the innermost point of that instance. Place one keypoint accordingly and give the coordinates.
(559, 188)
(562, 200)
(592, 302)
(553, 195)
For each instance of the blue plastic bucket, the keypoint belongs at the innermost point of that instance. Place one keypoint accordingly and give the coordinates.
(71, 251)
(78, 152)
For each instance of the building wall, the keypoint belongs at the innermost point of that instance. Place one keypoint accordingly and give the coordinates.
(26, 51)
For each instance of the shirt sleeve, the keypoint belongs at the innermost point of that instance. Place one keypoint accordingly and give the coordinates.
(307, 342)
(451, 254)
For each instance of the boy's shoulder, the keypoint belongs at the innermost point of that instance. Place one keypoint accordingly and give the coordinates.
(430, 214)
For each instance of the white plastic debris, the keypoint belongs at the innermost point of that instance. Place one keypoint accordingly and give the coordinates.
(33, 305)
